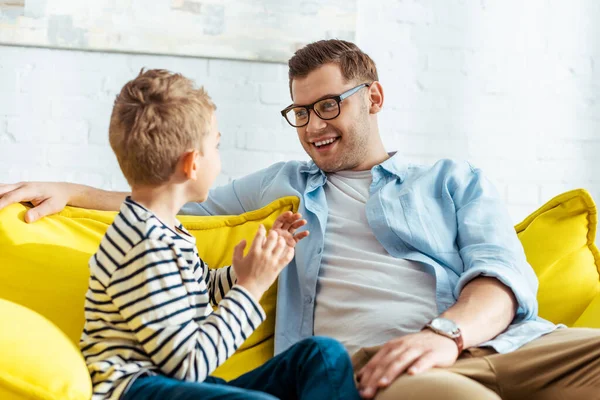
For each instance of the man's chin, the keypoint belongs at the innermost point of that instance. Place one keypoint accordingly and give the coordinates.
(328, 167)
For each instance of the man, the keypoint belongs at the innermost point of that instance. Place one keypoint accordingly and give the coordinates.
(417, 270)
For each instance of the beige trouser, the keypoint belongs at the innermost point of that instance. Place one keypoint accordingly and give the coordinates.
(562, 365)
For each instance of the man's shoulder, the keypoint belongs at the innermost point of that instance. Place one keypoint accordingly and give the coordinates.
(443, 169)
(289, 168)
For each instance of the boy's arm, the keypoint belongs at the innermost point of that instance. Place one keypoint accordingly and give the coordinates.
(174, 330)
(219, 282)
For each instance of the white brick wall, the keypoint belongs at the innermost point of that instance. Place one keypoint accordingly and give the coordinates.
(512, 86)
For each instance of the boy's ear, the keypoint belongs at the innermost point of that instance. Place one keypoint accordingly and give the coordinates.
(190, 164)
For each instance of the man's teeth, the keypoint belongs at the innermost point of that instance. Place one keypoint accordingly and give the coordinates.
(324, 142)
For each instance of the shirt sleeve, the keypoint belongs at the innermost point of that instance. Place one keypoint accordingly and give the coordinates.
(242, 195)
(487, 240)
(183, 339)
(219, 282)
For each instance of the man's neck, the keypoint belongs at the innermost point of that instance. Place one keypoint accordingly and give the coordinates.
(372, 161)
(164, 201)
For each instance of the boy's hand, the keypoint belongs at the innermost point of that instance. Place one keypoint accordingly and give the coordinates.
(286, 226)
(267, 256)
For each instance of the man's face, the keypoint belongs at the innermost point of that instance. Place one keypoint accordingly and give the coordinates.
(349, 131)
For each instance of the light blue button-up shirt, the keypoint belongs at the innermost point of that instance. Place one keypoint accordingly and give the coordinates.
(448, 217)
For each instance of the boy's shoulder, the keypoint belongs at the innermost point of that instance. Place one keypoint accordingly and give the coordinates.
(133, 231)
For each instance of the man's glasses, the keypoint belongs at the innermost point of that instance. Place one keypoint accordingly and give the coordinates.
(326, 109)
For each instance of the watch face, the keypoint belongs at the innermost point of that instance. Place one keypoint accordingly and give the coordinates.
(444, 325)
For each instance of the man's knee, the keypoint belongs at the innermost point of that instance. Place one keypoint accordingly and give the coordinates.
(436, 384)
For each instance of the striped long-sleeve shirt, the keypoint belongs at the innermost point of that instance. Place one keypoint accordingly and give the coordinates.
(149, 309)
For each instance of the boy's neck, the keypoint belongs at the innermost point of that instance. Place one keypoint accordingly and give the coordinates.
(164, 201)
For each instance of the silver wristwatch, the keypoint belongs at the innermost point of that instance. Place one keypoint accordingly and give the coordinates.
(448, 328)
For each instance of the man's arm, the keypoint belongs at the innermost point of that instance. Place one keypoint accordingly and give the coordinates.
(496, 287)
(51, 197)
(241, 195)
(484, 309)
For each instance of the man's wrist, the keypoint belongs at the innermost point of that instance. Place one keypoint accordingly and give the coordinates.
(447, 328)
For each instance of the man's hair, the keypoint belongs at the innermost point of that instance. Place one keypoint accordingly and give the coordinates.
(354, 63)
(155, 119)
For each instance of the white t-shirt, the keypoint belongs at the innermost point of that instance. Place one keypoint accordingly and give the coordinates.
(365, 297)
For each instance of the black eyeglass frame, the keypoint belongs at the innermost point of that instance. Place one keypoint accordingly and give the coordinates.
(309, 107)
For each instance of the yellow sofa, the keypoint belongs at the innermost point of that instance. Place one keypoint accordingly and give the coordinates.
(43, 279)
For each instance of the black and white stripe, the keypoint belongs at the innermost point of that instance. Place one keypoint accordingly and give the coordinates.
(149, 306)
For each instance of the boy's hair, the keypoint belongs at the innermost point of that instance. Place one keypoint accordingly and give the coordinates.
(155, 119)
(354, 63)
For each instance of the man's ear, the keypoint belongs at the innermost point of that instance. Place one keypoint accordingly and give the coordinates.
(189, 161)
(375, 97)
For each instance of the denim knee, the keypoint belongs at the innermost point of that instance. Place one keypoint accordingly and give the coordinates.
(332, 346)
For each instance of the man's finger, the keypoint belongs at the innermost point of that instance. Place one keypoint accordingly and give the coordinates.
(397, 368)
(16, 196)
(423, 364)
(392, 360)
(43, 209)
(8, 187)
(366, 373)
(374, 361)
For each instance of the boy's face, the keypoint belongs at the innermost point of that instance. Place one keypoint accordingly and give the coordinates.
(209, 161)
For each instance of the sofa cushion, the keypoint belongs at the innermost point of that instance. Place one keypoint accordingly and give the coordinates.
(44, 265)
(38, 360)
(559, 243)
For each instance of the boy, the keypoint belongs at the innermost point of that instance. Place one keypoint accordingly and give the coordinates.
(150, 330)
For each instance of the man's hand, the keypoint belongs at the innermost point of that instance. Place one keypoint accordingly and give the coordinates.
(412, 354)
(52, 197)
(47, 197)
(286, 226)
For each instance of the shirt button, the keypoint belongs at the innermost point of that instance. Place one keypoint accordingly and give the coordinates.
(320, 250)
(308, 299)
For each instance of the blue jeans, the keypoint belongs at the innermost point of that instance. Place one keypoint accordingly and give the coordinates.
(314, 368)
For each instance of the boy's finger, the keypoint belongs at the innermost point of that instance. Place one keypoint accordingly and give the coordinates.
(288, 219)
(271, 241)
(288, 255)
(299, 236)
(296, 225)
(281, 220)
(259, 238)
(280, 246)
(238, 251)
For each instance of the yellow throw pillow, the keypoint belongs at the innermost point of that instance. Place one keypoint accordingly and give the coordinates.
(37, 360)
(559, 243)
(43, 266)
(591, 316)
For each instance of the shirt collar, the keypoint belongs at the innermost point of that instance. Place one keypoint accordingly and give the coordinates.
(393, 165)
